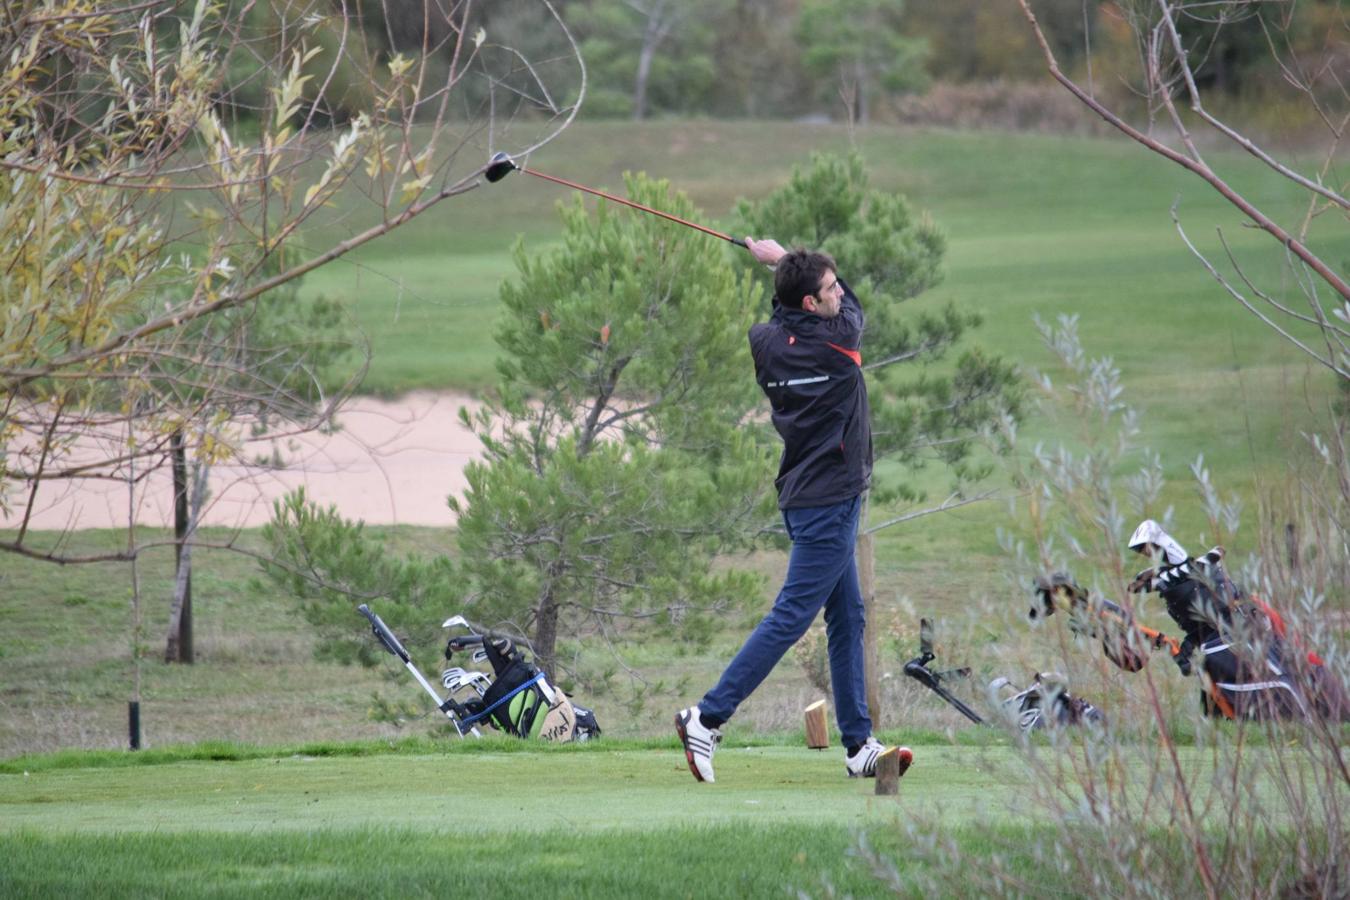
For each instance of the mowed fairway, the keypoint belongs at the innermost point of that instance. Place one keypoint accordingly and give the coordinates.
(614, 822)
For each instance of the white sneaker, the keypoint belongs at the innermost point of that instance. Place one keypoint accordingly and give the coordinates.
(863, 764)
(700, 743)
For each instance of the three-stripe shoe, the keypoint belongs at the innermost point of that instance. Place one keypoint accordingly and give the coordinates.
(700, 743)
(863, 764)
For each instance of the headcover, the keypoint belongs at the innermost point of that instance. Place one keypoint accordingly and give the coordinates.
(1150, 532)
(1049, 588)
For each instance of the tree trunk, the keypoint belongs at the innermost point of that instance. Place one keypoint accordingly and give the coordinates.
(546, 634)
(178, 645)
(860, 95)
(650, 38)
(867, 583)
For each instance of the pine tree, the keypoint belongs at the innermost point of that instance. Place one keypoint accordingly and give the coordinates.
(619, 456)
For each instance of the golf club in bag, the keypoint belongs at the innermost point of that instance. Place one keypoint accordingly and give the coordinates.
(1025, 706)
(518, 700)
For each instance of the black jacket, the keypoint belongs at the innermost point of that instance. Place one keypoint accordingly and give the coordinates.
(810, 368)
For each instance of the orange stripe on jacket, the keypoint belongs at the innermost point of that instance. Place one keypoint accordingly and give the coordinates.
(851, 354)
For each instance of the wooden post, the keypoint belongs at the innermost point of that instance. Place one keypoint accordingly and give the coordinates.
(867, 586)
(817, 729)
(890, 766)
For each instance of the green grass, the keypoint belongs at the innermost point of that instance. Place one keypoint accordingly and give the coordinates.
(607, 788)
(590, 822)
(402, 863)
(1037, 224)
(615, 821)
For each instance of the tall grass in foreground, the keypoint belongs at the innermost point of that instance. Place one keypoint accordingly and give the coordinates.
(1246, 823)
(771, 860)
(726, 861)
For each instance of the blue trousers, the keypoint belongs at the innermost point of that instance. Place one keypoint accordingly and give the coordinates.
(821, 573)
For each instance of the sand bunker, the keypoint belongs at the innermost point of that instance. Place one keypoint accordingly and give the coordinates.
(392, 462)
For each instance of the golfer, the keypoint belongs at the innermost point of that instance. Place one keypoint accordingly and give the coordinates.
(808, 361)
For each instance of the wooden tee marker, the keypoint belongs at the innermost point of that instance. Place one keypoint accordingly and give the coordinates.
(817, 730)
(890, 766)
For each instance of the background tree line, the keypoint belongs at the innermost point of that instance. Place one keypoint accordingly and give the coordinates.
(796, 58)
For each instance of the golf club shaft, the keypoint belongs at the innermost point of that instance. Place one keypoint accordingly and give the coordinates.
(1154, 636)
(656, 212)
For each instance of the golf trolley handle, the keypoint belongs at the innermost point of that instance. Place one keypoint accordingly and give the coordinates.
(381, 631)
(917, 668)
(453, 711)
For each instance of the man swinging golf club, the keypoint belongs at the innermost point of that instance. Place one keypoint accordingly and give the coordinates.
(808, 362)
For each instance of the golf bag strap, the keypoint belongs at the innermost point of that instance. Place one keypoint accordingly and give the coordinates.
(477, 717)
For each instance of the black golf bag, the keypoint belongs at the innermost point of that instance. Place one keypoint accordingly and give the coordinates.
(1250, 667)
(520, 700)
(1239, 686)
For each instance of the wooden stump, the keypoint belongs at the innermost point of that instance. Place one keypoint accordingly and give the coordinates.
(817, 729)
(888, 772)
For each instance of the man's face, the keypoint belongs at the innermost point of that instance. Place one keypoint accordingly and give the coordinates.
(828, 296)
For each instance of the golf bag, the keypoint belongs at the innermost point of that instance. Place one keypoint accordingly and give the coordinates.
(1254, 670)
(1250, 669)
(519, 700)
(1240, 686)
(1026, 706)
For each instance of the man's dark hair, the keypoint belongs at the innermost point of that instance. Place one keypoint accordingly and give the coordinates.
(798, 274)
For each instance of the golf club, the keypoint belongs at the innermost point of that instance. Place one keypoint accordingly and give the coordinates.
(501, 164)
(457, 621)
(456, 679)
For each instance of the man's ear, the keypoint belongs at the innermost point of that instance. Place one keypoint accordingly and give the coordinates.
(809, 303)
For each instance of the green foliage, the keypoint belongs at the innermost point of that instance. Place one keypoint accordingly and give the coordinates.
(618, 462)
(860, 45)
(331, 565)
(974, 40)
(1102, 803)
(888, 255)
(1236, 47)
(678, 39)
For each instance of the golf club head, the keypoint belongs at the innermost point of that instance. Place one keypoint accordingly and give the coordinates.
(498, 167)
(459, 621)
(479, 682)
(453, 678)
